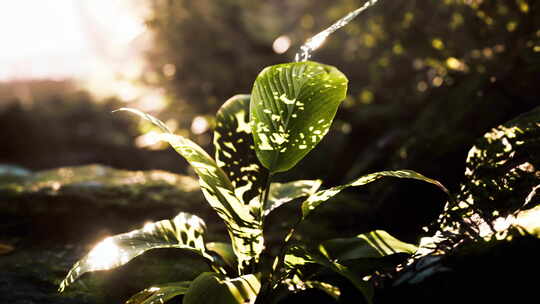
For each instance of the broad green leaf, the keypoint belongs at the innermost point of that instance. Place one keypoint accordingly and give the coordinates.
(235, 152)
(212, 288)
(373, 244)
(224, 251)
(281, 193)
(185, 231)
(160, 294)
(298, 256)
(322, 196)
(291, 110)
(243, 225)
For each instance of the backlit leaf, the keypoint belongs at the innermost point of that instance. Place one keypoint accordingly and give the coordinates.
(160, 294)
(213, 288)
(243, 225)
(322, 196)
(185, 231)
(281, 193)
(235, 152)
(292, 108)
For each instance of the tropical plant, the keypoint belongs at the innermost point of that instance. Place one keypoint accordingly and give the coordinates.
(289, 111)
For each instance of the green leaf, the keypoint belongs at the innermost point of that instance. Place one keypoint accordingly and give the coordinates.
(225, 252)
(281, 193)
(373, 244)
(159, 294)
(298, 256)
(292, 108)
(322, 196)
(185, 231)
(352, 258)
(244, 225)
(213, 288)
(235, 152)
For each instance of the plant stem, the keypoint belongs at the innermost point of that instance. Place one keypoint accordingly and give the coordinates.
(265, 193)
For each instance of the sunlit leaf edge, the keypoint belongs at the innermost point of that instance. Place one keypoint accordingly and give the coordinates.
(185, 231)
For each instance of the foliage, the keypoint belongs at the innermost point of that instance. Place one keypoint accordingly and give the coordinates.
(290, 110)
(501, 183)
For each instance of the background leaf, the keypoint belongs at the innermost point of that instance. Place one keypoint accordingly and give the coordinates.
(185, 231)
(281, 193)
(235, 151)
(322, 196)
(212, 288)
(160, 294)
(374, 244)
(298, 256)
(292, 108)
(352, 258)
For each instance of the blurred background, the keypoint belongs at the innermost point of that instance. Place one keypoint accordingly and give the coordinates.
(427, 78)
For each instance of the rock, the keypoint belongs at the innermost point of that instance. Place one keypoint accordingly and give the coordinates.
(11, 174)
(32, 276)
(75, 204)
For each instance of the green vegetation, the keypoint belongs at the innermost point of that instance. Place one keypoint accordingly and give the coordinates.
(290, 110)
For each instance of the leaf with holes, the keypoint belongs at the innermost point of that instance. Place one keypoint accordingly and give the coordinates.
(291, 110)
(244, 225)
(322, 196)
(213, 288)
(160, 294)
(185, 231)
(281, 193)
(235, 152)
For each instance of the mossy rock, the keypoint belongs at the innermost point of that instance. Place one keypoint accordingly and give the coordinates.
(84, 203)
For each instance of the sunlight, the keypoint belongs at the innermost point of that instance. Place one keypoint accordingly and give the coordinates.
(105, 255)
(99, 45)
(62, 39)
